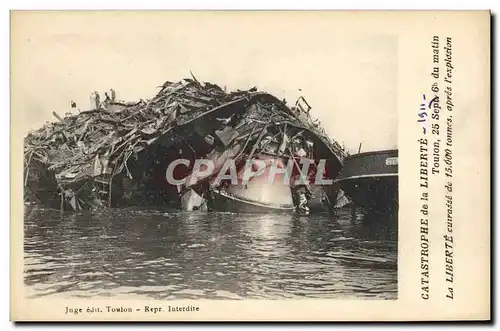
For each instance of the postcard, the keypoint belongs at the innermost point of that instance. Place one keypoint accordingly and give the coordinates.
(250, 165)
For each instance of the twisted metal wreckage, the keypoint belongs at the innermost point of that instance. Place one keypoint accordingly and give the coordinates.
(117, 154)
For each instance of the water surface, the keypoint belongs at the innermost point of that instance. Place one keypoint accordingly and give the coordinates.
(180, 255)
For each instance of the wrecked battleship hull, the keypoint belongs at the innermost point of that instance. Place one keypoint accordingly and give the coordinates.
(118, 154)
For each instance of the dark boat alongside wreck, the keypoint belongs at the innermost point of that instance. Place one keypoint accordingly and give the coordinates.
(118, 154)
(371, 180)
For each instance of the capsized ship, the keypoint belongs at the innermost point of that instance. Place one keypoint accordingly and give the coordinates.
(370, 179)
(118, 153)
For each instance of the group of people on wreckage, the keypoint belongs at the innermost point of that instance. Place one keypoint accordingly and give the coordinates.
(95, 100)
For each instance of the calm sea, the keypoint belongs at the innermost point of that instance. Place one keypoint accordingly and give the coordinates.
(178, 255)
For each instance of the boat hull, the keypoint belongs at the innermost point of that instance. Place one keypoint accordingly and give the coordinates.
(227, 203)
(371, 180)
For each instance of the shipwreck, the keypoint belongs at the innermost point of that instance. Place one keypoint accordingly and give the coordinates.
(118, 154)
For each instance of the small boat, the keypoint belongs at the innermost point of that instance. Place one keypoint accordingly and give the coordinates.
(226, 202)
(371, 180)
(258, 194)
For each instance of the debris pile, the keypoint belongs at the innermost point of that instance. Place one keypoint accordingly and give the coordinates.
(117, 153)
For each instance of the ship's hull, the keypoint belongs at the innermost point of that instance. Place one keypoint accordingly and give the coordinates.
(371, 180)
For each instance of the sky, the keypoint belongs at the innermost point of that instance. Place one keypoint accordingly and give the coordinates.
(348, 75)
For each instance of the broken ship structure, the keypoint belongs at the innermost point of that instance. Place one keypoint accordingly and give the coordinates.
(117, 154)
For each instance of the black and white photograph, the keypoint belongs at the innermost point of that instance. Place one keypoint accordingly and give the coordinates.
(228, 159)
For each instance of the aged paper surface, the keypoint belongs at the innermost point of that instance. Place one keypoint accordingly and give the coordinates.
(372, 78)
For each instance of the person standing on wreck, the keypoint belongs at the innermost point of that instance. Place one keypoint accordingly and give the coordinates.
(92, 100)
(106, 101)
(97, 100)
(73, 106)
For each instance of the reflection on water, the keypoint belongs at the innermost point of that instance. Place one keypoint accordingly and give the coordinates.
(176, 255)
